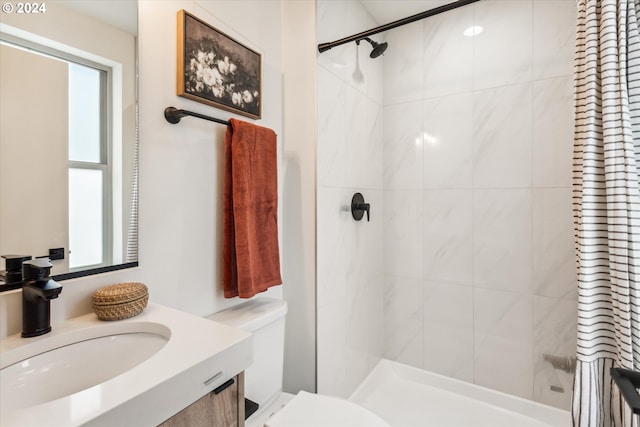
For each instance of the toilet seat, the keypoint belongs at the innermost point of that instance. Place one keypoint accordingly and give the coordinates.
(314, 410)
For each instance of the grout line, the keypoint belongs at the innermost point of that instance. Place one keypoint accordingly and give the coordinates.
(473, 273)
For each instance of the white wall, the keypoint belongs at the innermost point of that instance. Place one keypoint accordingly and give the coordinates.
(299, 194)
(478, 259)
(349, 98)
(181, 165)
(181, 170)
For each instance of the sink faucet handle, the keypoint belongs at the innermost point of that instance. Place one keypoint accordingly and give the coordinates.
(38, 269)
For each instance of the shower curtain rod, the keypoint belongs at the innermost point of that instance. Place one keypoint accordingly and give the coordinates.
(431, 12)
(173, 115)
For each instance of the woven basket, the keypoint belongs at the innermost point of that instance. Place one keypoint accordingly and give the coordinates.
(120, 301)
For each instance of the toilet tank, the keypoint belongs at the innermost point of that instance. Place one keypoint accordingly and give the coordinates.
(264, 318)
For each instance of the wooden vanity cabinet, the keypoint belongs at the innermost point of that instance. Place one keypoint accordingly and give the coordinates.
(219, 408)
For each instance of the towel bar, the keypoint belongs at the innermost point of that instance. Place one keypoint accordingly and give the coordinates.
(173, 116)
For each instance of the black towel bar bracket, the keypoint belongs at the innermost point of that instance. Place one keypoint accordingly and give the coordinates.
(173, 116)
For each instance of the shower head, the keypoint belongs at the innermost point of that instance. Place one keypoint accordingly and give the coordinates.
(378, 48)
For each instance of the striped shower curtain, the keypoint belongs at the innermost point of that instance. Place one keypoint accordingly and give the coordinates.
(606, 206)
(131, 254)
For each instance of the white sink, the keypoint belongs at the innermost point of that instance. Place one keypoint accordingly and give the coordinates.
(137, 371)
(75, 367)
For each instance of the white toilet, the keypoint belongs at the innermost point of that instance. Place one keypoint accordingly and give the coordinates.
(264, 318)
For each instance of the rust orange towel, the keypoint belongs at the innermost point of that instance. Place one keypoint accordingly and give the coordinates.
(250, 257)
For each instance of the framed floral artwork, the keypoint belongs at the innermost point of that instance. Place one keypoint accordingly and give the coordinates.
(217, 70)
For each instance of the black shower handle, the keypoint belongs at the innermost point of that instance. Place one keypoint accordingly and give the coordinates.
(359, 207)
(364, 207)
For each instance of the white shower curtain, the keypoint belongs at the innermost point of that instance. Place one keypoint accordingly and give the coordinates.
(606, 206)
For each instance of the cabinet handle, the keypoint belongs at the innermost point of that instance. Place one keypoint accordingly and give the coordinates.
(221, 388)
(213, 378)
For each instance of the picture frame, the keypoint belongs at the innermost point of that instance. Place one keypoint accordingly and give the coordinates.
(215, 69)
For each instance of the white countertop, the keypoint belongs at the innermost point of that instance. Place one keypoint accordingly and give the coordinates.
(149, 393)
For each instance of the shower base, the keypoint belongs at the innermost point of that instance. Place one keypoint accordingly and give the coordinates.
(406, 397)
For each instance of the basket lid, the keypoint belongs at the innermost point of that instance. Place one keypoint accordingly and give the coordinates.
(119, 293)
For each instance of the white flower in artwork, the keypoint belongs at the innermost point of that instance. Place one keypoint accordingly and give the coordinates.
(212, 74)
(209, 77)
(218, 91)
(218, 77)
(223, 67)
(236, 98)
(199, 72)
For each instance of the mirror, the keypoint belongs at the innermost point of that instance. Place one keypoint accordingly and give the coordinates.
(68, 135)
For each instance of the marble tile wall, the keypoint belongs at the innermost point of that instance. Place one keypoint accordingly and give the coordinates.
(478, 248)
(350, 160)
(462, 145)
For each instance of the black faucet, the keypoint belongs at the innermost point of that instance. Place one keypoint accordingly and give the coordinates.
(38, 289)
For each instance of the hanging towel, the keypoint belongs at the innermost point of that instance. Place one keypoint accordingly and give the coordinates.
(250, 255)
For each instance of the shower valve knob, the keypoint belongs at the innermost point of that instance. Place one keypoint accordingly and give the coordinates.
(359, 207)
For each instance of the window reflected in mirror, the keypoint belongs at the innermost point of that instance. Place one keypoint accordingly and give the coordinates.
(68, 137)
